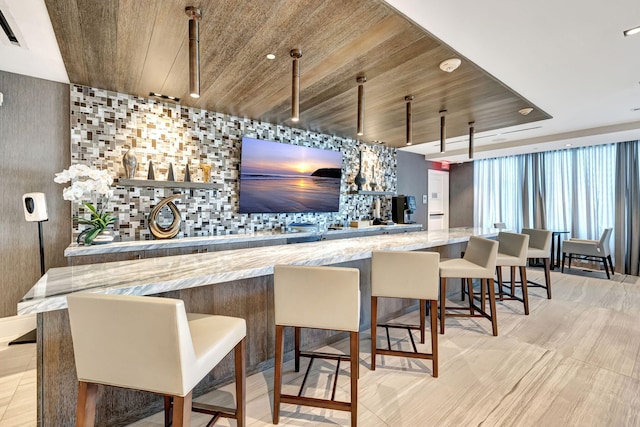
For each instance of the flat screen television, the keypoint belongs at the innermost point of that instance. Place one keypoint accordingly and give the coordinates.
(284, 178)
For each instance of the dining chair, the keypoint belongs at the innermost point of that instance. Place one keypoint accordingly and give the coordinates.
(591, 250)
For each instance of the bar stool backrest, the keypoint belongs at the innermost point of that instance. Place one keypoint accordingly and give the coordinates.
(405, 274)
(539, 239)
(514, 244)
(317, 297)
(603, 244)
(482, 252)
(135, 342)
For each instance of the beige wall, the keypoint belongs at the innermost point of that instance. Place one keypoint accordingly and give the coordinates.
(34, 144)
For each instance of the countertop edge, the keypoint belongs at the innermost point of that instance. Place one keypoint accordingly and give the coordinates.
(144, 245)
(263, 259)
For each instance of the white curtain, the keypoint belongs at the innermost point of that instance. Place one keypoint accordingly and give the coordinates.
(566, 190)
(498, 192)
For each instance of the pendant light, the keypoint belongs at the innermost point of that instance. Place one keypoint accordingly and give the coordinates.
(361, 81)
(194, 50)
(296, 54)
(471, 131)
(443, 130)
(409, 123)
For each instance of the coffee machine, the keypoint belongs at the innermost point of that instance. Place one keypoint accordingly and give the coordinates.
(402, 207)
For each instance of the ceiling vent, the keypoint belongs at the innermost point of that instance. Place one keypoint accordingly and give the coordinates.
(8, 31)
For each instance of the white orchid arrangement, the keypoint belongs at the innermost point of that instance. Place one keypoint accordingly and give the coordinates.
(92, 185)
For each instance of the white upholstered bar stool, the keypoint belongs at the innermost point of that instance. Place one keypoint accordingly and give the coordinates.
(479, 262)
(317, 298)
(401, 274)
(151, 344)
(512, 253)
(540, 247)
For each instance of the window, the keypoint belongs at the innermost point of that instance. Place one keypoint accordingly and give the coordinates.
(572, 190)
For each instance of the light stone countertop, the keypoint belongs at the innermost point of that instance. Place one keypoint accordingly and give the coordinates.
(144, 245)
(155, 275)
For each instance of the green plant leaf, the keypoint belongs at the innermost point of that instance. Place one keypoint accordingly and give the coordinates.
(92, 235)
(84, 221)
(91, 208)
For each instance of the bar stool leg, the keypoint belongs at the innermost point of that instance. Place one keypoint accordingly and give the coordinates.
(434, 336)
(470, 287)
(277, 375)
(354, 359)
(297, 348)
(547, 275)
(86, 410)
(513, 280)
(525, 289)
(423, 314)
(499, 274)
(374, 331)
(492, 303)
(167, 411)
(182, 410)
(241, 382)
(483, 294)
(443, 298)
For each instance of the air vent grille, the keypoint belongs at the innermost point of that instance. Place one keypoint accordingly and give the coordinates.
(7, 30)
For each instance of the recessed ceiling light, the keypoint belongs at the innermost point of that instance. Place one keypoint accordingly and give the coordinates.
(567, 145)
(449, 65)
(631, 31)
(525, 111)
(271, 56)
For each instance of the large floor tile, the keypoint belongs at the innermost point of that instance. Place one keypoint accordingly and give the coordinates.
(561, 391)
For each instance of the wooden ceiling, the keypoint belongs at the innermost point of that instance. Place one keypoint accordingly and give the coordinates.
(137, 47)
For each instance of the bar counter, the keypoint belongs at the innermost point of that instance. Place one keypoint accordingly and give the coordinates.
(232, 283)
(157, 275)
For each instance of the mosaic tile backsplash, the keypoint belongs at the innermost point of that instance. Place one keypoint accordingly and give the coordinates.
(105, 125)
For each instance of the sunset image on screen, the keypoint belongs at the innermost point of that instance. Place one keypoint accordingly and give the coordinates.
(278, 177)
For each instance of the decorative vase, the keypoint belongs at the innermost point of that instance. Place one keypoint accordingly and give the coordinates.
(130, 163)
(360, 180)
(206, 172)
(373, 185)
(105, 236)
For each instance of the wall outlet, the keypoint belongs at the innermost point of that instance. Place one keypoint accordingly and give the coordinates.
(424, 199)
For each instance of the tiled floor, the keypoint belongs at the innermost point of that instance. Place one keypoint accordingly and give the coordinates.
(574, 361)
(17, 384)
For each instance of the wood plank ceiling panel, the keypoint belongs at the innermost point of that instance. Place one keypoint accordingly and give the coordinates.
(139, 47)
(168, 36)
(66, 23)
(99, 31)
(133, 46)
